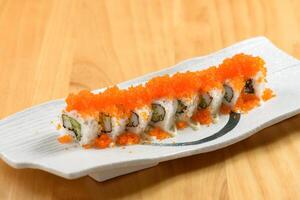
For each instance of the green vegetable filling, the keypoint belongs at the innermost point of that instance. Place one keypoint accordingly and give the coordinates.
(75, 125)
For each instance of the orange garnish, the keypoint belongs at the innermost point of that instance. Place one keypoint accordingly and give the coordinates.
(120, 102)
(65, 139)
(128, 138)
(241, 65)
(203, 116)
(268, 94)
(87, 146)
(103, 141)
(158, 133)
(181, 124)
(246, 102)
(225, 109)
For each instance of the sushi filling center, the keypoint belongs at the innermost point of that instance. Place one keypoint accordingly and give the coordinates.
(105, 122)
(249, 88)
(228, 93)
(205, 101)
(72, 125)
(133, 120)
(181, 107)
(158, 113)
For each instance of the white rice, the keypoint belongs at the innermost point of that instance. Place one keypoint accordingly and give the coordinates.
(258, 86)
(144, 114)
(217, 98)
(118, 126)
(191, 103)
(168, 123)
(236, 95)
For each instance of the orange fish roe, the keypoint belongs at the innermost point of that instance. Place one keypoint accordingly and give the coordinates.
(103, 141)
(119, 102)
(241, 65)
(65, 139)
(159, 87)
(203, 116)
(268, 94)
(246, 102)
(181, 125)
(225, 109)
(158, 133)
(87, 146)
(208, 79)
(128, 139)
(238, 83)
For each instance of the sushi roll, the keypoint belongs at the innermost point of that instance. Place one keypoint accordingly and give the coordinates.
(243, 78)
(112, 125)
(212, 101)
(217, 98)
(165, 103)
(255, 85)
(139, 120)
(186, 107)
(232, 91)
(84, 129)
(163, 115)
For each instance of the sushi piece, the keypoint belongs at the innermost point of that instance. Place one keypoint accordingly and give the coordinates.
(217, 97)
(212, 101)
(232, 91)
(186, 107)
(210, 98)
(163, 115)
(139, 120)
(84, 129)
(112, 125)
(255, 85)
(243, 78)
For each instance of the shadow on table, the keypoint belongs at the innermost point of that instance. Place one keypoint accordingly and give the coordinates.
(134, 183)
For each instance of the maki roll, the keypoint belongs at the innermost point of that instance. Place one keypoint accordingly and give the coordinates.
(186, 107)
(112, 125)
(210, 97)
(83, 129)
(217, 97)
(232, 91)
(211, 101)
(255, 85)
(139, 120)
(243, 78)
(158, 107)
(163, 115)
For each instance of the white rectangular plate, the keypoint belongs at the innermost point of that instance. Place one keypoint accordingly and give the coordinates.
(29, 139)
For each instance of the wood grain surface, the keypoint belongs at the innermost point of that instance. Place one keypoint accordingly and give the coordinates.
(49, 48)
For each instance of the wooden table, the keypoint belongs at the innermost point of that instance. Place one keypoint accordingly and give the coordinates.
(50, 48)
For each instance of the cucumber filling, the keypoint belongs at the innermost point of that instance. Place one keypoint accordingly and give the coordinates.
(158, 113)
(72, 125)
